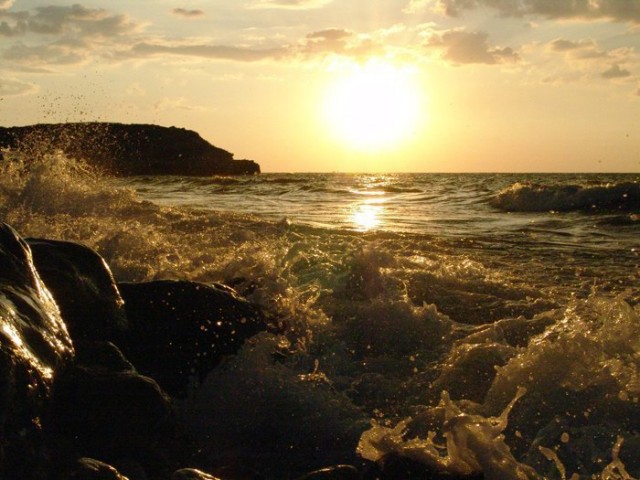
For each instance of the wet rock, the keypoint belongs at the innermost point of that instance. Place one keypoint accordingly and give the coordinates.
(192, 474)
(91, 469)
(394, 467)
(34, 346)
(338, 472)
(236, 471)
(102, 356)
(112, 416)
(180, 330)
(83, 287)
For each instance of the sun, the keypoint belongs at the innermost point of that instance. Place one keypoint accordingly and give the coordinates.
(373, 106)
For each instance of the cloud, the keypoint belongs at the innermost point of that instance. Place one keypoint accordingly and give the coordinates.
(58, 53)
(615, 72)
(11, 87)
(616, 10)
(417, 6)
(63, 35)
(290, 4)
(561, 45)
(4, 4)
(177, 103)
(588, 51)
(579, 50)
(584, 60)
(336, 41)
(182, 12)
(462, 47)
(219, 52)
(74, 20)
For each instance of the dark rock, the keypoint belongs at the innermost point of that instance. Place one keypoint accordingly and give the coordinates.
(180, 330)
(34, 345)
(338, 472)
(394, 467)
(91, 469)
(113, 417)
(102, 356)
(128, 149)
(236, 471)
(82, 286)
(192, 474)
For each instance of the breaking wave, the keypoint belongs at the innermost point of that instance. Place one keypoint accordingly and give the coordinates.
(532, 197)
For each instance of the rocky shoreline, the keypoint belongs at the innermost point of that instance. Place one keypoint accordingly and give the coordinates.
(134, 149)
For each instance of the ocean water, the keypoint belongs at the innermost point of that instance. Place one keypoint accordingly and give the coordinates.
(474, 323)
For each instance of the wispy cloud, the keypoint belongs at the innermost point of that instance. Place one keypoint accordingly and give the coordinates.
(177, 103)
(463, 47)
(615, 71)
(616, 10)
(339, 42)
(45, 56)
(54, 36)
(183, 12)
(220, 52)
(12, 87)
(74, 20)
(290, 4)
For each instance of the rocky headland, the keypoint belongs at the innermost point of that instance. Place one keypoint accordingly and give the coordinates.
(121, 149)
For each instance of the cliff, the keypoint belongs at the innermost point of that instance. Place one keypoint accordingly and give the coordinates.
(128, 149)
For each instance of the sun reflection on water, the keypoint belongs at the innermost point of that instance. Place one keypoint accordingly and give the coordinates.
(367, 216)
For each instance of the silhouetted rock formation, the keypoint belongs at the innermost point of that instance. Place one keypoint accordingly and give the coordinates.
(128, 149)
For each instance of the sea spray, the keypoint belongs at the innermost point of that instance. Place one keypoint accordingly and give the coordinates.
(474, 444)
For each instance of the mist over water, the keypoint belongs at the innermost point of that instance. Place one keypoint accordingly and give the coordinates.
(417, 306)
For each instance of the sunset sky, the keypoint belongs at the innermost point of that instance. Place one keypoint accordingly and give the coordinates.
(342, 85)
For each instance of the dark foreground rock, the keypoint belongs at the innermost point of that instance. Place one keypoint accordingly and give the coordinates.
(91, 469)
(192, 474)
(34, 345)
(395, 467)
(128, 149)
(339, 472)
(82, 286)
(108, 411)
(179, 330)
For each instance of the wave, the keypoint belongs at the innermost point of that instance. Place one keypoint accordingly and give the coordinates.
(533, 197)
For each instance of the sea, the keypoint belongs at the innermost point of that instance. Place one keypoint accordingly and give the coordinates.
(476, 324)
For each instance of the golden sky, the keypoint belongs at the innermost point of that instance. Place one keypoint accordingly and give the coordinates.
(342, 85)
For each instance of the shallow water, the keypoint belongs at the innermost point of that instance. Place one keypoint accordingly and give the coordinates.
(420, 303)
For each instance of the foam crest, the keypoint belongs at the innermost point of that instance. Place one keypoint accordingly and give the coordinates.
(474, 444)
